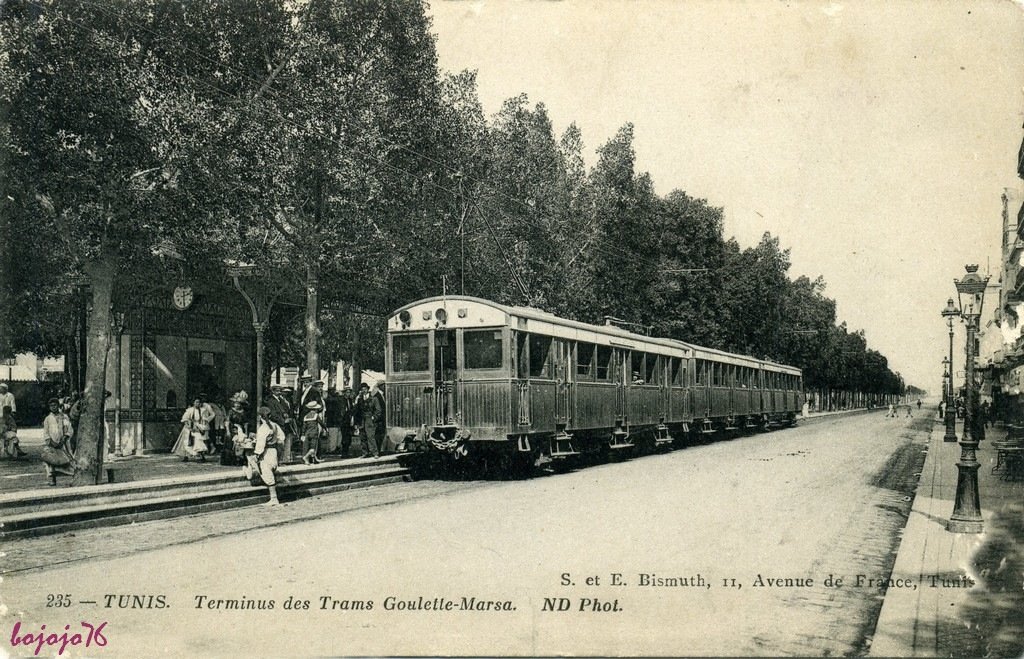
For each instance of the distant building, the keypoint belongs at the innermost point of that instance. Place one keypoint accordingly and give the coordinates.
(1001, 343)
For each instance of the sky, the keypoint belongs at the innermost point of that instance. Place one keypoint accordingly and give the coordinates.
(875, 139)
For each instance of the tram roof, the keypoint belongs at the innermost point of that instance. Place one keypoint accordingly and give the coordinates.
(545, 316)
(701, 352)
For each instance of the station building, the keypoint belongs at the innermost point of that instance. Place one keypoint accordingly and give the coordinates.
(181, 342)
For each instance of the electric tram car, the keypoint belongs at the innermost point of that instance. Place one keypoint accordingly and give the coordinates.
(516, 386)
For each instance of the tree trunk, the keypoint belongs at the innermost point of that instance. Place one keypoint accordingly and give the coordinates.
(91, 449)
(71, 364)
(312, 322)
(357, 358)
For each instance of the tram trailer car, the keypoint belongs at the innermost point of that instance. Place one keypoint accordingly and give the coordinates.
(520, 387)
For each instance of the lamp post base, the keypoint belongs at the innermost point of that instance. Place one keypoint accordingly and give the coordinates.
(965, 526)
(950, 420)
(966, 517)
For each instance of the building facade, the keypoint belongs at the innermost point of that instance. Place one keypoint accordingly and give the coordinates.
(179, 344)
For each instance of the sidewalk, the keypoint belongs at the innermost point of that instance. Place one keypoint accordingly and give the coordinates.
(27, 473)
(968, 600)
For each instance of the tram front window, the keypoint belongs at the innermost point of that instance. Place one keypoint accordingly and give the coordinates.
(483, 348)
(444, 351)
(410, 352)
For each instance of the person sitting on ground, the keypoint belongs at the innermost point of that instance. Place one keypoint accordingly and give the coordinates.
(9, 430)
(56, 454)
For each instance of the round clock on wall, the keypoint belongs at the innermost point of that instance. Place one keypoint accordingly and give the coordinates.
(182, 297)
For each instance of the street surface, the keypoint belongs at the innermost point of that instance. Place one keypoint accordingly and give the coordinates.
(723, 522)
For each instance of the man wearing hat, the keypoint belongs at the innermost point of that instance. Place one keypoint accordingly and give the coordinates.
(312, 429)
(348, 421)
(380, 420)
(333, 408)
(309, 389)
(369, 411)
(280, 413)
(368, 429)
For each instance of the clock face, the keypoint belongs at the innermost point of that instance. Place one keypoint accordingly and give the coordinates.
(182, 297)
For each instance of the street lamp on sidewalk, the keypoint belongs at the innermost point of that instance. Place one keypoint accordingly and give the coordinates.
(947, 377)
(966, 516)
(949, 313)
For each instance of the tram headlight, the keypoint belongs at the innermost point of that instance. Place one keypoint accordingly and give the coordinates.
(441, 315)
(404, 317)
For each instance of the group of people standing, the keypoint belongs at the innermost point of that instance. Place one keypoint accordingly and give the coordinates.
(328, 423)
(202, 431)
(289, 423)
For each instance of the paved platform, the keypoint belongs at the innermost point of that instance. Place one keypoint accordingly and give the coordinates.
(27, 473)
(968, 600)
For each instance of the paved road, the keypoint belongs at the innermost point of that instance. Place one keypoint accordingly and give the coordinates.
(828, 498)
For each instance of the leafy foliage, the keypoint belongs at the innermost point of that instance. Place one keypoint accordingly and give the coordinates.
(319, 141)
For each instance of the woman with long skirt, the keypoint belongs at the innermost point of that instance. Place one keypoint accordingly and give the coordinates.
(194, 433)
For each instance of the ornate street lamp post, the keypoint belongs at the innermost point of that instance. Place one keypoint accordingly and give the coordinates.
(966, 517)
(947, 388)
(949, 313)
(260, 301)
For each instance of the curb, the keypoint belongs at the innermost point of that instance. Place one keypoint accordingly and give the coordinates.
(31, 513)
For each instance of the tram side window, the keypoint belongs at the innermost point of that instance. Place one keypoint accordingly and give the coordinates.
(652, 374)
(604, 360)
(410, 352)
(676, 371)
(482, 348)
(584, 360)
(698, 372)
(636, 367)
(540, 356)
(522, 353)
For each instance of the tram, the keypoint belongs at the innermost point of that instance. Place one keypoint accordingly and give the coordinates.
(519, 386)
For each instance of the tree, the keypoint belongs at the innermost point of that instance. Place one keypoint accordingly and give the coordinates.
(89, 107)
(326, 154)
